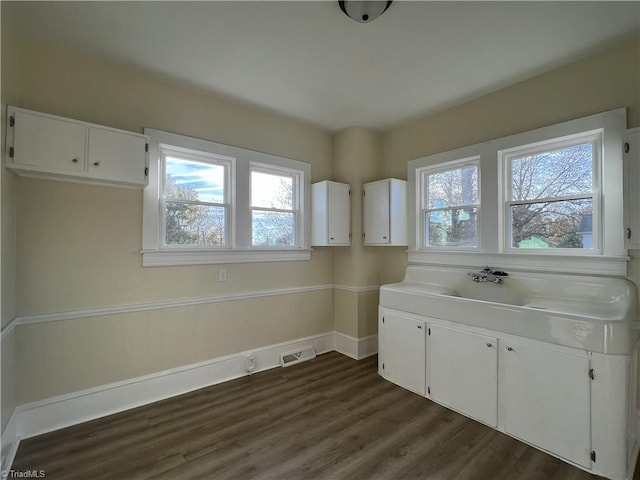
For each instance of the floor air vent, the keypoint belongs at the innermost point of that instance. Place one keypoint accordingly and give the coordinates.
(291, 358)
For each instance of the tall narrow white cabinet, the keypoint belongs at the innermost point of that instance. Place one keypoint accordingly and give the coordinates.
(385, 213)
(331, 214)
(631, 191)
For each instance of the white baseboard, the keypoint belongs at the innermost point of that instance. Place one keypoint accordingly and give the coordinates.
(357, 348)
(54, 413)
(10, 441)
(59, 412)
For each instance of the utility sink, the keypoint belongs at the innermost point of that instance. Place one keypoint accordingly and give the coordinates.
(589, 312)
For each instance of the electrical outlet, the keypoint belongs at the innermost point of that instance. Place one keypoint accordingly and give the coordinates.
(222, 275)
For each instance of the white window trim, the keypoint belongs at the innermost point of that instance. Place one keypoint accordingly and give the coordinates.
(504, 162)
(421, 189)
(612, 258)
(239, 249)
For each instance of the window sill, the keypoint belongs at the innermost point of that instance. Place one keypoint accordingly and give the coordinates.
(163, 258)
(580, 264)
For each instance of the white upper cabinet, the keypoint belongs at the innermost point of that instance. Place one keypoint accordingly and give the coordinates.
(117, 156)
(331, 214)
(45, 145)
(631, 191)
(385, 213)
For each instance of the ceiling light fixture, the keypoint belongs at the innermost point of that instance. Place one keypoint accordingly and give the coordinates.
(363, 11)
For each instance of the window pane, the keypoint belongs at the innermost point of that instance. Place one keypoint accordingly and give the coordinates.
(562, 224)
(273, 228)
(452, 188)
(271, 191)
(194, 224)
(189, 180)
(456, 227)
(556, 173)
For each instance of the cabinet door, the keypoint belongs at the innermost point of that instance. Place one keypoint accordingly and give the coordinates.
(376, 213)
(48, 143)
(116, 156)
(631, 192)
(404, 352)
(339, 210)
(545, 399)
(463, 372)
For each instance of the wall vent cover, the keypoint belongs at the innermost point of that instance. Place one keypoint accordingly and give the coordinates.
(297, 356)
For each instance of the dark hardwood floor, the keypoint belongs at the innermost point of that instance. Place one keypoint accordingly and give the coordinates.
(329, 418)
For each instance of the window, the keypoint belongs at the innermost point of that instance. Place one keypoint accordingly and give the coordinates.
(212, 203)
(195, 197)
(551, 194)
(274, 206)
(450, 206)
(552, 200)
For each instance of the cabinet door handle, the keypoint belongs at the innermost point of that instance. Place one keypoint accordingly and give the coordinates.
(628, 233)
(489, 345)
(75, 160)
(96, 163)
(509, 349)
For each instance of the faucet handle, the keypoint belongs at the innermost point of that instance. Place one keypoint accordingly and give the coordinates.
(486, 269)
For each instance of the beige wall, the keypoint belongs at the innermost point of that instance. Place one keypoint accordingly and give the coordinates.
(602, 82)
(356, 161)
(78, 245)
(8, 372)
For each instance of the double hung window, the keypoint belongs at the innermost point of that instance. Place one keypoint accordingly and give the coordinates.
(195, 197)
(450, 205)
(551, 194)
(274, 206)
(212, 203)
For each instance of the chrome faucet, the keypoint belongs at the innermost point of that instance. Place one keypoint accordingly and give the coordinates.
(488, 275)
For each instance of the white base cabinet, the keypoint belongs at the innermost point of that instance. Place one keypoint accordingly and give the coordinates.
(54, 147)
(405, 348)
(463, 373)
(545, 399)
(573, 404)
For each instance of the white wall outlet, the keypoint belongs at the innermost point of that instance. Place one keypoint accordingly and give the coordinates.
(222, 275)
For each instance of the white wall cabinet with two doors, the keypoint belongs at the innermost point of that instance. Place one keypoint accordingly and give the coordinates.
(543, 394)
(45, 145)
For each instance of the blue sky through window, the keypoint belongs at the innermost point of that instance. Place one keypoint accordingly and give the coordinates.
(204, 178)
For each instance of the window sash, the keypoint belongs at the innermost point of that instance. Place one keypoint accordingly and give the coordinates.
(423, 188)
(506, 157)
(203, 158)
(297, 179)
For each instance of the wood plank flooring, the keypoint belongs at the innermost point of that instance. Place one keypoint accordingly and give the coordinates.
(329, 418)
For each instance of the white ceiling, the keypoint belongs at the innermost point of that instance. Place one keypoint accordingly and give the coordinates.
(307, 60)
